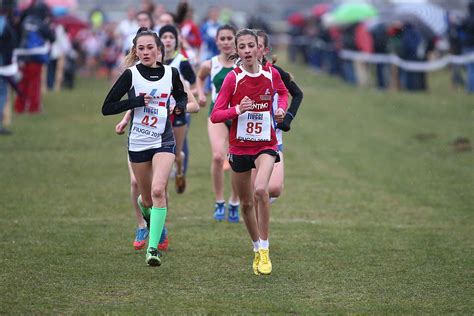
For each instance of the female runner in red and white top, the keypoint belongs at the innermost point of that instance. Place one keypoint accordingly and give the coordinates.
(246, 97)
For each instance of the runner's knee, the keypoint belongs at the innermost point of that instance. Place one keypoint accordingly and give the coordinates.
(261, 193)
(158, 192)
(275, 190)
(218, 158)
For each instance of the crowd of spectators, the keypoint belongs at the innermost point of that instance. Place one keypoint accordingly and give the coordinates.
(315, 43)
(43, 49)
(37, 39)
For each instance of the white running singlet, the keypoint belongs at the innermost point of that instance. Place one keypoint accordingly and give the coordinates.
(149, 122)
(176, 62)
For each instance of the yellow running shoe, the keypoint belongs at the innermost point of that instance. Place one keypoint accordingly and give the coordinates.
(256, 260)
(264, 265)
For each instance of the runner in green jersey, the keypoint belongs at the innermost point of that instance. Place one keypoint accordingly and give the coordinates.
(217, 68)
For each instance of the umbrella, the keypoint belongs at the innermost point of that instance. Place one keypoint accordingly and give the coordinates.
(352, 12)
(420, 24)
(296, 19)
(58, 7)
(432, 15)
(387, 19)
(319, 9)
(72, 24)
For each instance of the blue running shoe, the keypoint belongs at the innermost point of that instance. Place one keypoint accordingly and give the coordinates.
(164, 233)
(163, 243)
(219, 211)
(233, 213)
(140, 238)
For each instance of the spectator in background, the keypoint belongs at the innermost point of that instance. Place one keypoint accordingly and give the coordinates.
(92, 48)
(455, 47)
(190, 33)
(147, 6)
(209, 31)
(164, 18)
(111, 53)
(36, 34)
(363, 43)
(8, 69)
(259, 22)
(395, 46)
(143, 19)
(60, 47)
(468, 45)
(159, 11)
(296, 46)
(313, 31)
(348, 43)
(97, 18)
(414, 49)
(333, 40)
(70, 65)
(380, 40)
(127, 28)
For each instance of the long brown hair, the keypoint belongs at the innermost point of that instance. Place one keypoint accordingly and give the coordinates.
(239, 34)
(132, 58)
(226, 27)
(266, 44)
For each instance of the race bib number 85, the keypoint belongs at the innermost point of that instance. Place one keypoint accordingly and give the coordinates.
(254, 126)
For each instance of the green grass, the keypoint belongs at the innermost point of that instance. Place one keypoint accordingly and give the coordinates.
(375, 219)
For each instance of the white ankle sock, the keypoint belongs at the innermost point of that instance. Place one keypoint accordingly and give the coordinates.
(255, 245)
(234, 203)
(263, 244)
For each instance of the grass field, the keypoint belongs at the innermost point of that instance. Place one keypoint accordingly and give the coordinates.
(376, 218)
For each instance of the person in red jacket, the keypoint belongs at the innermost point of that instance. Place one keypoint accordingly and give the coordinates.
(190, 33)
(246, 97)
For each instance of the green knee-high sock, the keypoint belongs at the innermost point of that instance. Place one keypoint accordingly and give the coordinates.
(145, 211)
(157, 222)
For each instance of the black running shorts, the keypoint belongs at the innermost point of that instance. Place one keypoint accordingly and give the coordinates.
(244, 163)
(147, 155)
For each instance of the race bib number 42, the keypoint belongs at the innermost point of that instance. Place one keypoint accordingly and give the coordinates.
(154, 117)
(254, 126)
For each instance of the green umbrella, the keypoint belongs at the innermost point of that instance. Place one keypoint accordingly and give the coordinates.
(352, 12)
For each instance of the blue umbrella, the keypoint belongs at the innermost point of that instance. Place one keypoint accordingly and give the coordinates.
(432, 15)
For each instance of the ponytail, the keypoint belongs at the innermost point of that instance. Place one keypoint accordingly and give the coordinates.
(131, 58)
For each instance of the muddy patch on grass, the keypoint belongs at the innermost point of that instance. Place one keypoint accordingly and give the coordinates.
(462, 144)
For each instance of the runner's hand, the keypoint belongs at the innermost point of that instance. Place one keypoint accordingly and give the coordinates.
(147, 99)
(120, 127)
(279, 115)
(202, 100)
(245, 105)
(286, 124)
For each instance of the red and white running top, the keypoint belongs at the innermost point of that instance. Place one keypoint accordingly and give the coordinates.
(252, 131)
